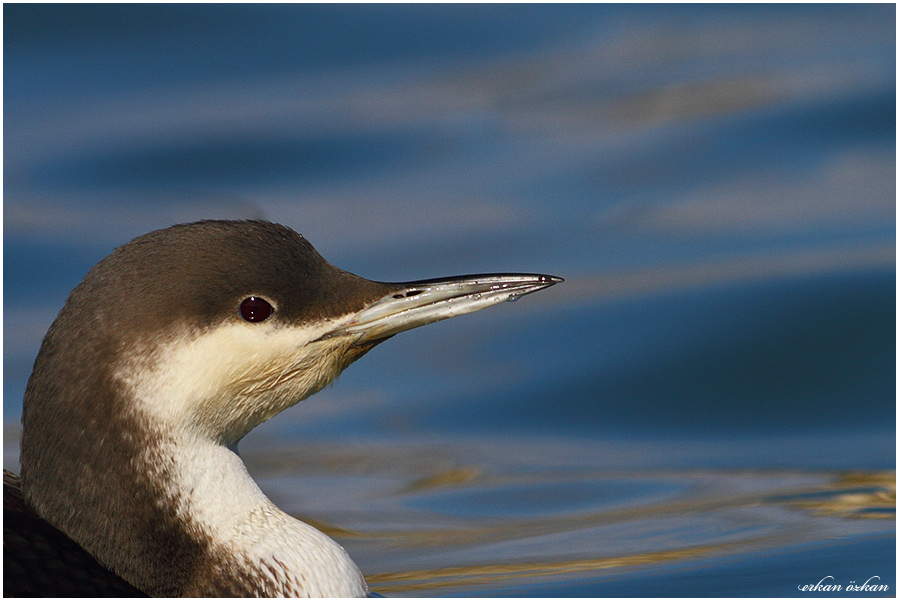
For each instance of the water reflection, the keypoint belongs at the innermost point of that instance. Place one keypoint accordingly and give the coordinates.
(438, 522)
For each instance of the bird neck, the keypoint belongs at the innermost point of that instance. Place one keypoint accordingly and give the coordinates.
(213, 497)
(177, 514)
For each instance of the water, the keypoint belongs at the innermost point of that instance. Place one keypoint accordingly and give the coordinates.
(705, 407)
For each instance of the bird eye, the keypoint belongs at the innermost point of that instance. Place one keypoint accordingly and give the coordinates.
(255, 309)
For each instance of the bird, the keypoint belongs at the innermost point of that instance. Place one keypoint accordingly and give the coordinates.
(170, 350)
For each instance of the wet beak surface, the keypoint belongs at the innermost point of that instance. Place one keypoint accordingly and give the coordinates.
(413, 304)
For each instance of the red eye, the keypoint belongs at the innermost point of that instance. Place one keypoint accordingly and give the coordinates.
(255, 309)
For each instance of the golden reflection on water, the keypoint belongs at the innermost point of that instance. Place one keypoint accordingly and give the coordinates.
(742, 511)
(445, 479)
(396, 582)
(869, 495)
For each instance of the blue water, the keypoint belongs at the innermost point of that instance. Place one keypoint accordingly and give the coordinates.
(706, 406)
(751, 575)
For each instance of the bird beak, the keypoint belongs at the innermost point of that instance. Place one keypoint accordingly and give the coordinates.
(413, 304)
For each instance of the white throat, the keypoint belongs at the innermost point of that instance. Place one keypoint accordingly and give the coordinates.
(213, 493)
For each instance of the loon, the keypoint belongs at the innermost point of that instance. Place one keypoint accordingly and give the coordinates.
(169, 351)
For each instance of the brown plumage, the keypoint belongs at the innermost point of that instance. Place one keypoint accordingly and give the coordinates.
(41, 561)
